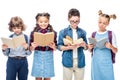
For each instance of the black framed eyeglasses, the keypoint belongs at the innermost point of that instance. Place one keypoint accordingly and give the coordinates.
(74, 22)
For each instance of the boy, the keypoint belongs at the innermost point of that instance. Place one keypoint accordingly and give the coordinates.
(17, 64)
(73, 58)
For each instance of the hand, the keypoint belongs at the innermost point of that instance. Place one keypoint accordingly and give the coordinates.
(4, 47)
(108, 45)
(25, 45)
(33, 46)
(52, 45)
(83, 44)
(71, 47)
(90, 47)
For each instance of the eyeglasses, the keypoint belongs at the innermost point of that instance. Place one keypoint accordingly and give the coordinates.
(74, 22)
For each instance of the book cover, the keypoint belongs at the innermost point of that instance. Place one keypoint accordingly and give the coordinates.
(14, 42)
(69, 40)
(98, 43)
(43, 39)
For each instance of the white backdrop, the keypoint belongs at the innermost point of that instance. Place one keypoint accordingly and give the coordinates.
(58, 9)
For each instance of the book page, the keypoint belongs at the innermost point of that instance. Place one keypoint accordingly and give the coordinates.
(98, 43)
(101, 42)
(69, 41)
(43, 39)
(92, 41)
(14, 42)
(19, 40)
(78, 41)
(8, 42)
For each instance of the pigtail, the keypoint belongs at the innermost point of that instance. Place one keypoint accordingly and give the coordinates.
(113, 16)
(50, 27)
(106, 15)
(100, 12)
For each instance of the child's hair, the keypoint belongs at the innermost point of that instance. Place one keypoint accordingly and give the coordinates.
(106, 15)
(16, 22)
(73, 12)
(47, 15)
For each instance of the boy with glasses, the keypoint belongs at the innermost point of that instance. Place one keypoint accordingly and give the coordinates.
(73, 58)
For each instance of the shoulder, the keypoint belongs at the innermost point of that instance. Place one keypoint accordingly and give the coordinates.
(31, 33)
(63, 30)
(81, 30)
(111, 33)
(11, 35)
(25, 35)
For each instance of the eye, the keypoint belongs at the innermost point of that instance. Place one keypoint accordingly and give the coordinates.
(99, 22)
(73, 21)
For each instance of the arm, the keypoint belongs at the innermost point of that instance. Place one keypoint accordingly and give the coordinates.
(90, 47)
(68, 47)
(84, 44)
(61, 45)
(26, 45)
(5, 49)
(112, 46)
(54, 44)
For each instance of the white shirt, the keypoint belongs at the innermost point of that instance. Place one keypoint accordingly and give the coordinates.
(75, 38)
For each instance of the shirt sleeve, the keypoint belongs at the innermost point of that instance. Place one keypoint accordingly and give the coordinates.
(6, 52)
(60, 40)
(114, 41)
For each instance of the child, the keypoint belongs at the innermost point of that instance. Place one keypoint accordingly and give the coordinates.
(17, 64)
(102, 67)
(73, 58)
(43, 64)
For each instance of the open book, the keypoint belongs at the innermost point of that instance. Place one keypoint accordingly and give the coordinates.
(68, 40)
(14, 42)
(98, 43)
(43, 39)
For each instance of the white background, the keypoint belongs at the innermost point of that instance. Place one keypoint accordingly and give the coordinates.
(58, 9)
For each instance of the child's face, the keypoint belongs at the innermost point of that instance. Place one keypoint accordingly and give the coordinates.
(17, 30)
(74, 21)
(43, 22)
(103, 23)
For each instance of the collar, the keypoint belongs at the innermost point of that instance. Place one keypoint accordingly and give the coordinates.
(70, 28)
(17, 34)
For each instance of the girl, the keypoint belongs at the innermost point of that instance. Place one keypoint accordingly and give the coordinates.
(43, 64)
(17, 64)
(102, 67)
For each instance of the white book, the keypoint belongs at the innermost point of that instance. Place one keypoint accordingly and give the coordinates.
(13, 42)
(68, 40)
(98, 43)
